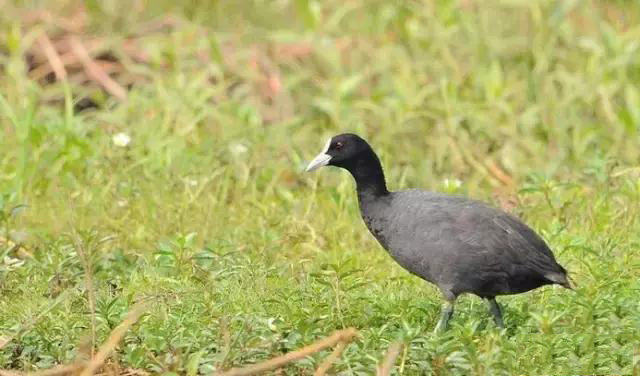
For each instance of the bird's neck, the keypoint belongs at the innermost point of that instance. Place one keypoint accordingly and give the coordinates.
(369, 177)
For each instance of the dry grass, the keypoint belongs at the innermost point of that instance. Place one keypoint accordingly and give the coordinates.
(338, 339)
(389, 359)
(96, 362)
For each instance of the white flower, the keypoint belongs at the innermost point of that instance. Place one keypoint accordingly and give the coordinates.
(451, 184)
(238, 148)
(121, 139)
(12, 263)
(191, 182)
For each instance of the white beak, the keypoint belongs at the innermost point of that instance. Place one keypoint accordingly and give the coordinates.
(321, 159)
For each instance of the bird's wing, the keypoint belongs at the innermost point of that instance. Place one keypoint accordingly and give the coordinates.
(508, 238)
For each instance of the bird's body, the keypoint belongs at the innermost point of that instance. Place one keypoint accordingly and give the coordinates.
(458, 244)
(469, 247)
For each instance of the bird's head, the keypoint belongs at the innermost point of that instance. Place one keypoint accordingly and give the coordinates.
(340, 151)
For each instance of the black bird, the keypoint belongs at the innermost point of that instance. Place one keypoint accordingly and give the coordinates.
(458, 244)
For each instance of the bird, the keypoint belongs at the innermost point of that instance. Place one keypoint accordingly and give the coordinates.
(460, 245)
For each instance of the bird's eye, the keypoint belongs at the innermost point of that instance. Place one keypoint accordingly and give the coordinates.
(338, 145)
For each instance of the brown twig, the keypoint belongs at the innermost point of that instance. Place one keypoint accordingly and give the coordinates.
(113, 340)
(6, 372)
(329, 360)
(474, 161)
(52, 56)
(499, 173)
(384, 369)
(95, 72)
(345, 336)
(68, 60)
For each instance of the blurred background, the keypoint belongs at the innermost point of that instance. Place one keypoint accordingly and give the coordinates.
(167, 139)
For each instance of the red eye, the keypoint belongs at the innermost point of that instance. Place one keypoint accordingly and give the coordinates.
(339, 145)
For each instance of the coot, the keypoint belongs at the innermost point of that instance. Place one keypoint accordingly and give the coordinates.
(458, 244)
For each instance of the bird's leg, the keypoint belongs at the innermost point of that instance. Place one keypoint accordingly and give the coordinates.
(495, 310)
(447, 312)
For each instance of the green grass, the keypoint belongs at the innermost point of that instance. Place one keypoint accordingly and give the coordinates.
(207, 212)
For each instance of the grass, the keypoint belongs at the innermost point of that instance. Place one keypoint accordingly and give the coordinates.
(533, 105)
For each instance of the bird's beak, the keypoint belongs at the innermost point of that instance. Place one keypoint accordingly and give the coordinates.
(321, 159)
